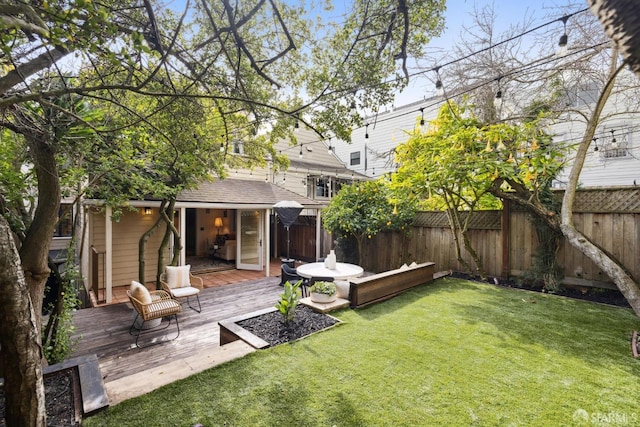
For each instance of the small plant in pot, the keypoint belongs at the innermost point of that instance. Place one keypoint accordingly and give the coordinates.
(323, 292)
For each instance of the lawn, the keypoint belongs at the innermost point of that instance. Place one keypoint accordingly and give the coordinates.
(448, 353)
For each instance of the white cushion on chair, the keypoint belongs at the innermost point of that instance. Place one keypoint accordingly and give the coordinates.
(186, 291)
(177, 277)
(140, 292)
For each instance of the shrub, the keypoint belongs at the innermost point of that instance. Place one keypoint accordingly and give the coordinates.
(327, 288)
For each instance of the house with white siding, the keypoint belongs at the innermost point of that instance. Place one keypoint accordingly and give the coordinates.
(613, 159)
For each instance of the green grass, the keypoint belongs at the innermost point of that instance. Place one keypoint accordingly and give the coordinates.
(452, 353)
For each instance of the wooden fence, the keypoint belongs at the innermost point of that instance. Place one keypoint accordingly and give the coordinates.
(505, 240)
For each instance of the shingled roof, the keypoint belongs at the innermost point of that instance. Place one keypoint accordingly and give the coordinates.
(244, 193)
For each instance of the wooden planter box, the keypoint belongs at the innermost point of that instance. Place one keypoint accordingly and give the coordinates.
(230, 331)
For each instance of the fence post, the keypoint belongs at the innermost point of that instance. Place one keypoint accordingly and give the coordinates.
(506, 231)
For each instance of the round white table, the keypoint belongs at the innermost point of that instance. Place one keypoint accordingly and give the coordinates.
(342, 270)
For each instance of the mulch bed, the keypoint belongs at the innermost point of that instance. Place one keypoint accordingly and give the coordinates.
(271, 327)
(59, 400)
(603, 296)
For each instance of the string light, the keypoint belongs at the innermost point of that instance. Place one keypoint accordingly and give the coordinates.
(439, 88)
(499, 94)
(366, 132)
(595, 143)
(330, 150)
(422, 116)
(498, 98)
(531, 65)
(614, 142)
(564, 39)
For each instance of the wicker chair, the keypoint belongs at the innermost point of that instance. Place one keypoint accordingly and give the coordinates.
(192, 290)
(161, 305)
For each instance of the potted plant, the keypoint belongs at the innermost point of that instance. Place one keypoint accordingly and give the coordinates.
(323, 292)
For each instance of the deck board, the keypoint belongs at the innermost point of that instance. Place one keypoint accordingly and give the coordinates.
(104, 330)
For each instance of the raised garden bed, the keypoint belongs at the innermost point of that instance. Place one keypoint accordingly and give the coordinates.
(80, 381)
(265, 328)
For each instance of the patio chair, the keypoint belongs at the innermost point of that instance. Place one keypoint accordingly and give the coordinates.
(151, 305)
(290, 275)
(180, 283)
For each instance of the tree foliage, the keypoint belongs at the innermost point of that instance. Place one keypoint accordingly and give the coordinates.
(363, 209)
(459, 164)
(242, 66)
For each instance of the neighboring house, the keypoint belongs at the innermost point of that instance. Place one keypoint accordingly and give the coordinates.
(372, 148)
(613, 158)
(231, 219)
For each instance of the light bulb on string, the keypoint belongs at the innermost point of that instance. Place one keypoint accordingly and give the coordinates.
(439, 87)
(366, 131)
(330, 150)
(421, 116)
(564, 38)
(498, 97)
(595, 144)
(300, 155)
(614, 141)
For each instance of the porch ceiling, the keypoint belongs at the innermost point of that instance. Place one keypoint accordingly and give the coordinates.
(244, 193)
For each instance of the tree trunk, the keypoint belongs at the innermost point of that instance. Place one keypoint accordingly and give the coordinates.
(34, 252)
(610, 266)
(142, 246)
(21, 353)
(453, 225)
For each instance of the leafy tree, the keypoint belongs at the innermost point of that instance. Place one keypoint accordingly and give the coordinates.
(363, 209)
(261, 61)
(435, 166)
(553, 86)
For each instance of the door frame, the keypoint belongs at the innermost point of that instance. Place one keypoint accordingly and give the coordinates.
(240, 265)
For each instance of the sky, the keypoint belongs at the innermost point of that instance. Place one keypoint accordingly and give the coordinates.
(459, 14)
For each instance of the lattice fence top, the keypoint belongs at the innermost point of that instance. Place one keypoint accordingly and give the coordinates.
(483, 220)
(598, 200)
(607, 200)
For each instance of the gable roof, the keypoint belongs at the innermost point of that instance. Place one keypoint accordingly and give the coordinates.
(238, 192)
(315, 154)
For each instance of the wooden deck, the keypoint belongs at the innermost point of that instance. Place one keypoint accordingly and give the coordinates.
(104, 330)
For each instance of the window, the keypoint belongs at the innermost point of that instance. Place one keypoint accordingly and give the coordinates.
(355, 158)
(65, 222)
(322, 187)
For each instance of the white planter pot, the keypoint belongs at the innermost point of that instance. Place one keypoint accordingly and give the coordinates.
(322, 298)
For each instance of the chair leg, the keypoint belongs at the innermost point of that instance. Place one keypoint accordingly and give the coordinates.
(199, 309)
(156, 329)
(134, 324)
